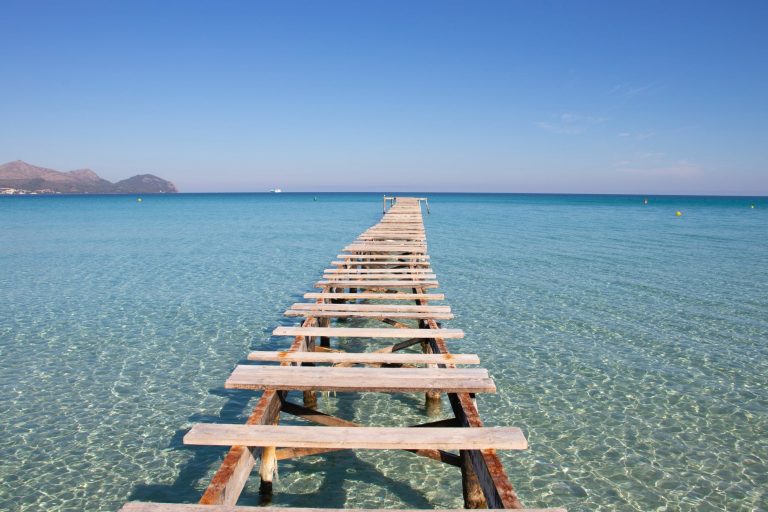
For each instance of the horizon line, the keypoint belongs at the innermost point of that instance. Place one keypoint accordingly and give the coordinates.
(401, 192)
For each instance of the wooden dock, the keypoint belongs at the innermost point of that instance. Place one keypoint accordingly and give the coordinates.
(383, 276)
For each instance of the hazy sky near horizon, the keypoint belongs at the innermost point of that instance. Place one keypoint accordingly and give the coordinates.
(606, 97)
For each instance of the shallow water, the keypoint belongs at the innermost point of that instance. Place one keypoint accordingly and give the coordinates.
(629, 344)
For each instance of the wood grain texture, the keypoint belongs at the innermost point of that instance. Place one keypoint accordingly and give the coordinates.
(374, 296)
(311, 306)
(352, 379)
(357, 438)
(381, 315)
(354, 332)
(366, 357)
(359, 283)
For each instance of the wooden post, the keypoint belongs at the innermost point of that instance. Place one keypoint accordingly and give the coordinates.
(267, 471)
(310, 397)
(470, 485)
(432, 402)
(325, 341)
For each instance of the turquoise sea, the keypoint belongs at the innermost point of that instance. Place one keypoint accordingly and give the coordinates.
(631, 345)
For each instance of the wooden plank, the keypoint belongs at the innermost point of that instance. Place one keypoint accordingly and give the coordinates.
(357, 438)
(390, 236)
(374, 296)
(377, 284)
(384, 256)
(313, 306)
(365, 357)
(354, 332)
(357, 380)
(398, 232)
(379, 277)
(294, 313)
(381, 273)
(392, 264)
(136, 506)
(386, 248)
(389, 271)
(395, 230)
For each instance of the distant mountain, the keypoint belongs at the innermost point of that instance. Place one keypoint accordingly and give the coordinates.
(28, 178)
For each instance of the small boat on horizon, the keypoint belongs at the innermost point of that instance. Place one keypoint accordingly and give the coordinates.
(276, 190)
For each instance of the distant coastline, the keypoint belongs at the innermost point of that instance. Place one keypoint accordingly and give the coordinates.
(22, 178)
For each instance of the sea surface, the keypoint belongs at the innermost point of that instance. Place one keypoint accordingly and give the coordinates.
(630, 344)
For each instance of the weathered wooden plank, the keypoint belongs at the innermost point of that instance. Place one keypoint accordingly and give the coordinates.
(390, 248)
(353, 332)
(365, 357)
(390, 237)
(325, 378)
(399, 230)
(384, 276)
(374, 296)
(389, 271)
(293, 313)
(357, 438)
(313, 306)
(384, 256)
(377, 284)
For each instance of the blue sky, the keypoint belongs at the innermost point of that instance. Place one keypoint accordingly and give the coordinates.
(605, 97)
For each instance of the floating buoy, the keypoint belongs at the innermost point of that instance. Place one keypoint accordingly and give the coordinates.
(138, 200)
(678, 214)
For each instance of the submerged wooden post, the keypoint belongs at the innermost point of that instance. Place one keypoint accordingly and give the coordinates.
(432, 401)
(325, 341)
(267, 471)
(310, 397)
(470, 485)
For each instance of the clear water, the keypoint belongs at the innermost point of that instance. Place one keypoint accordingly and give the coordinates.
(629, 344)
